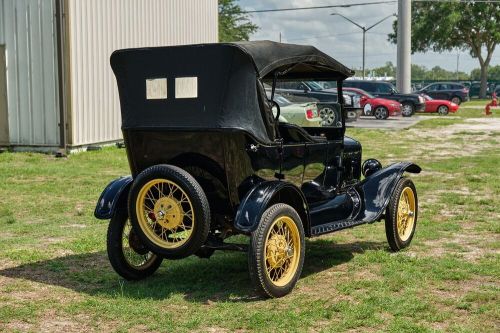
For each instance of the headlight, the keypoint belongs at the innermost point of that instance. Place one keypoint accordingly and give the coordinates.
(348, 100)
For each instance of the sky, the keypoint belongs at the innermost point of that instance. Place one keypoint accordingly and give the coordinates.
(343, 40)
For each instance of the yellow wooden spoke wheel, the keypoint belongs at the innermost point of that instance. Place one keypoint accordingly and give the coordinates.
(169, 211)
(134, 252)
(406, 213)
(128, 256)
(165, 213)
(276, 252)
(401, 215)
(282, 247)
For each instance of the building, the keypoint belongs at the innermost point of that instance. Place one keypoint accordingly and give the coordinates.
(57, 89)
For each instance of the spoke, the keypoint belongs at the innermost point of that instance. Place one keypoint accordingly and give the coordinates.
(184, 199)
(188, 214)
(148, 197)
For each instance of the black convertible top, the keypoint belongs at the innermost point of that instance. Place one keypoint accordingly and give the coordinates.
(224, 82)
(307, 61)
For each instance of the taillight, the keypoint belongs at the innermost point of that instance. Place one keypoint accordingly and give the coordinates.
(309, 114)
(465, 90)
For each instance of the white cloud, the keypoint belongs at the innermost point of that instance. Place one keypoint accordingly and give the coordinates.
(341, 39)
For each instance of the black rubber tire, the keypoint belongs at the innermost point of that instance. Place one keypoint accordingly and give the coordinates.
(115, 251)
(201, 209)
(391, 231)
(406, 114)
(381, 113)
(441, 111)
(456, 99)
(256, 252)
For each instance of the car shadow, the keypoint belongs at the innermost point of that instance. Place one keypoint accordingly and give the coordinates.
(223, 277)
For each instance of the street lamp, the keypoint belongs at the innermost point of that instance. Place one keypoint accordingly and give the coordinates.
(364, 29)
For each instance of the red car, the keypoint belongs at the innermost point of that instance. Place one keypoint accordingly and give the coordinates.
(440, 106)
(381, 108)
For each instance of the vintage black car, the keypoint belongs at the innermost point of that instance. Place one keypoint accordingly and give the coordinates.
(206, 166)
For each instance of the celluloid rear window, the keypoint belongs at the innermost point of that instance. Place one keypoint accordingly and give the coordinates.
(156, 88)
(186, 87)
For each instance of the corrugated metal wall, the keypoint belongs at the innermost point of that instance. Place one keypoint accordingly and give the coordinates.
(29, 33)
(97, 28)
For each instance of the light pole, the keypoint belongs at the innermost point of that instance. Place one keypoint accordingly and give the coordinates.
(364, 29)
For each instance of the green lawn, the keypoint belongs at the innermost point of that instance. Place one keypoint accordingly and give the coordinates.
(55, 276)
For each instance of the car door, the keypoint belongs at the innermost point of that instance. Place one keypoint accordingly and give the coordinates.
(432, 90)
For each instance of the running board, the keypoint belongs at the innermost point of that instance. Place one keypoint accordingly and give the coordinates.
(334, 226)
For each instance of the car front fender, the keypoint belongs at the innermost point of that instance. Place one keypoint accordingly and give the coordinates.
(113, 197)
(264, 194)
(376, 190)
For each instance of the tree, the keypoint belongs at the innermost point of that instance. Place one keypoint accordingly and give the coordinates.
(493, 73)
(444, 26)
(234, 24)
(387, 70)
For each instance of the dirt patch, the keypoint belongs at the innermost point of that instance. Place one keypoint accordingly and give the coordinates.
(478, 124)
(448, 141)
(17, 326)
(466, 244)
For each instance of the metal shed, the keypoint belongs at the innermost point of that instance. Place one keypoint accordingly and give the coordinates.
(57, 89)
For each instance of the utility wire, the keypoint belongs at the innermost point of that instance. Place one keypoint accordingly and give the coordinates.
(317, 7)
(359, 4)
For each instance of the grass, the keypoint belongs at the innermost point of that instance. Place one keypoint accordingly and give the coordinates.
(55, 276)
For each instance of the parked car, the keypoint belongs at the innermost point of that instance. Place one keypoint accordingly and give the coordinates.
(410, 103)
(440, 106)
(304, 91)
(380, 108)
(225, 166)
(306, 114)
(454, 92)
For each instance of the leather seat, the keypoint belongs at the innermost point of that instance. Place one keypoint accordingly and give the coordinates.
(293, 133)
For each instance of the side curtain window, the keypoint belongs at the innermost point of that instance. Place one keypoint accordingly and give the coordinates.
(266, 111)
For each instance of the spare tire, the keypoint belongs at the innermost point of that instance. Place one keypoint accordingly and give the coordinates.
(169, 211)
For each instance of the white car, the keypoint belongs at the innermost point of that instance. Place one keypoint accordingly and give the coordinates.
(303, 114)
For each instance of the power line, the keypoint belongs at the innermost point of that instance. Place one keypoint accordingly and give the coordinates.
(317, 7)
(359, 4)
(322, 36)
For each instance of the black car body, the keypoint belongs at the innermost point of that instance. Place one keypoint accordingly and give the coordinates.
(224, 167)
(450, 91)
(411, 103)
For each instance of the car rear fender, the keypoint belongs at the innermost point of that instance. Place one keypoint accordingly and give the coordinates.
(113, 197)
(265, 194)
(376, 190)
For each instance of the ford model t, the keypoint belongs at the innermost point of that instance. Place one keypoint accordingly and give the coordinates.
(209, 160)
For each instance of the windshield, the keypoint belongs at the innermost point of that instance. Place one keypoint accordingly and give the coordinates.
(393, 88)
(314, 85)
(282, 101)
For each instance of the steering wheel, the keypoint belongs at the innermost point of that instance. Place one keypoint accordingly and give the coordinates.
(278, 110)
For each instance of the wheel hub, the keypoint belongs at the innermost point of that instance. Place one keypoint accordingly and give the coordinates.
(278, 250)
(168, 212)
